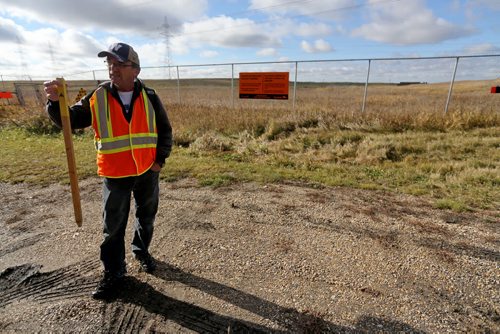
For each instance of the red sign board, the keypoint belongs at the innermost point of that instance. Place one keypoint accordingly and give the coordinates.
(495, 89)
(5, 95)
(264, 85)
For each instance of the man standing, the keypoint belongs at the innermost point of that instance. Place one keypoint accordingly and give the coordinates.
(133, 137)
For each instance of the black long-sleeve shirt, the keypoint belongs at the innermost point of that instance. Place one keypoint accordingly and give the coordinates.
(81, 115)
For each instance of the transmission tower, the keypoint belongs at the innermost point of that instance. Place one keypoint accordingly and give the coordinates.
(52, 59)
(24, 65)
(166, 39)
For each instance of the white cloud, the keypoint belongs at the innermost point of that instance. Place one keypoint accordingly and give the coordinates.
(209, 54)
(307, 47)
(315, 29)
(267, 52)
(326, 9)
(322, 46)
(117, 16)
(153, 53)
(9, 31)
(485, 48)
(61, 36)
(47, 51)
(319, 46)
(284, 27)
(492, 4)
(227, 32)
(408, 23)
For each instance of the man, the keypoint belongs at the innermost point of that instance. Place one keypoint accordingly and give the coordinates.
(133, 138)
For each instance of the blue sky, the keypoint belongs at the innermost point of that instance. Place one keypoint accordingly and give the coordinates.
(43, 38)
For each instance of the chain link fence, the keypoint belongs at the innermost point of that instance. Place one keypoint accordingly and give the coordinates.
(217, 84)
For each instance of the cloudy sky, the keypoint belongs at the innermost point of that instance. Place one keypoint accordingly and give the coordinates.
(42, 38)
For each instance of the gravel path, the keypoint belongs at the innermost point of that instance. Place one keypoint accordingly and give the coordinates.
(253, 258)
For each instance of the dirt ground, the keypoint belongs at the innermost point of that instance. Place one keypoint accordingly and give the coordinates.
(253, 258)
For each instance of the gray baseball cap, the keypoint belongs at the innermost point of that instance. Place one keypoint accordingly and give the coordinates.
(121, 51)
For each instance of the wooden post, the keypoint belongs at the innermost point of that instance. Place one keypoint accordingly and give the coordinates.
(70, 153)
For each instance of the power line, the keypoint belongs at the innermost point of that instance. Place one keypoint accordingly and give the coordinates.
(282, 4)
(233, 13)
(271, 6)
(291, 17)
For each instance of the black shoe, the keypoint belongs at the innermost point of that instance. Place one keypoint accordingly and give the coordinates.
(122, 271)
(146, 261)
(107, 286)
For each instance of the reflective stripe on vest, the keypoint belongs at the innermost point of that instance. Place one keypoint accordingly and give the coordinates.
(122, 143)
(102, 114)
(149, 112)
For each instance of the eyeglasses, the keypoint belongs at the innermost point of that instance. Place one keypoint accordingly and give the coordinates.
(117, 65)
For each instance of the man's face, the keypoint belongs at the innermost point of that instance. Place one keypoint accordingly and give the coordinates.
(122, 75)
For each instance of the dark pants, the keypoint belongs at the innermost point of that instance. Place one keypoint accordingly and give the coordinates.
(116, 197)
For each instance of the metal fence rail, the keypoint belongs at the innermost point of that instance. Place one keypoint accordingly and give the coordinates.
(355, 70)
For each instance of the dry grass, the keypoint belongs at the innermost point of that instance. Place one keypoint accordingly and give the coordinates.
(389, 108)
(402, 142)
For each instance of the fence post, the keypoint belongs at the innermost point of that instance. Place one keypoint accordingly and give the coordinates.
(3, 85)
(366, 86)
(451, 86)
(232, 86)
(19, 94)
(295, 85)
(178, 87)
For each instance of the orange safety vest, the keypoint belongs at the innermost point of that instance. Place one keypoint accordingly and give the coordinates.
(123, 149)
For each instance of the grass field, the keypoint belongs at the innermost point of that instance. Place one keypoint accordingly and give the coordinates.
(403, 142)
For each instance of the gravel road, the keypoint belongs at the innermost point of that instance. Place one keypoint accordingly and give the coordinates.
(251, 258)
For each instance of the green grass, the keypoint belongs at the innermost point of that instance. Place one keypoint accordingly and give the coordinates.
(403, 142)
(459, 170)
(41, 159)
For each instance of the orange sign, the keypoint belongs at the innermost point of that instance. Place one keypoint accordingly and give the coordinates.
(264, 85)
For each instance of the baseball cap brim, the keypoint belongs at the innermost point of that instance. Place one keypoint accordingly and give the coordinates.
(111, 54)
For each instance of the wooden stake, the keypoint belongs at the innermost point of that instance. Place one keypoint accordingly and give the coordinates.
(70, 152)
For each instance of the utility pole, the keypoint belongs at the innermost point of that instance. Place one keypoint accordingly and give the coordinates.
(166, 39)
(52, 59)
(24, 65)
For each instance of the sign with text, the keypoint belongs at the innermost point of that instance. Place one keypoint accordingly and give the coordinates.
(264, 85)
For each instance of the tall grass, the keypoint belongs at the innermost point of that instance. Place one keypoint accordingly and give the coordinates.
(403, 141)
(388, 108)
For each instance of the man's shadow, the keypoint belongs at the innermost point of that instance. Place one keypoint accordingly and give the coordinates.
(187, 315)
(202, 320)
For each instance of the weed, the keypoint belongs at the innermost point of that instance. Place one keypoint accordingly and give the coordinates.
(308, 123)
(217, 180)
(451, 204)
(211, 141)
(41, 125)
(277, 130)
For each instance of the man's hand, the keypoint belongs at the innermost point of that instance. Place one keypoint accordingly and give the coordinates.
(156, 167)
(50, 88)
